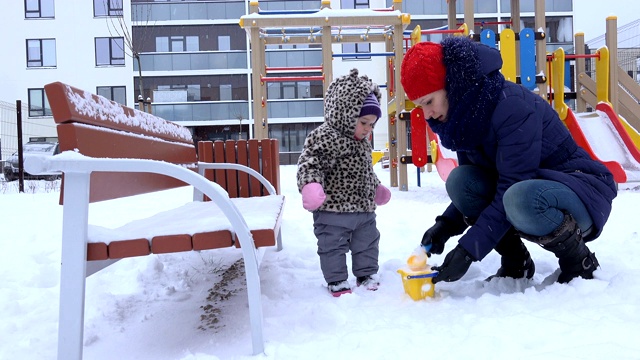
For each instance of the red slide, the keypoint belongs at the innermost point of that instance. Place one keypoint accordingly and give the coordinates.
(619, 175)
(622, 132)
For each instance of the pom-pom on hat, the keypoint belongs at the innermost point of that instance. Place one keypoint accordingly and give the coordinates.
(371, 106)
(422, 70)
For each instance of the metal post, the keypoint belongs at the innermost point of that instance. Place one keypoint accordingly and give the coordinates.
(541, 46)
(611, 41)
(20, 152)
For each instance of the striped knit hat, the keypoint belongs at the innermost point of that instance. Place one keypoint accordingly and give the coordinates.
(371, 106)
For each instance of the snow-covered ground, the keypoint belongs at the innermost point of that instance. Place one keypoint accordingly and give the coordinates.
(194, 305)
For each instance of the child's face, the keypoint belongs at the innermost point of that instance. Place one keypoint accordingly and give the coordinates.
(365, 125)
(435, 105)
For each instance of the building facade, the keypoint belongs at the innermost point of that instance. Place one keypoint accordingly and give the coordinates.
(191, 59)
(55, 40)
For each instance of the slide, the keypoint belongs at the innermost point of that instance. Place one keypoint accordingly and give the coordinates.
(444, 159)
(604, 137)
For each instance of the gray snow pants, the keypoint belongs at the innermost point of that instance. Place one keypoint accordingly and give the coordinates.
(337, 233)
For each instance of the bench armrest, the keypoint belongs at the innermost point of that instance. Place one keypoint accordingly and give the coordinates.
(202, 166)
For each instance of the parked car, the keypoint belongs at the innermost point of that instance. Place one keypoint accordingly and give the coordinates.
(33, 147)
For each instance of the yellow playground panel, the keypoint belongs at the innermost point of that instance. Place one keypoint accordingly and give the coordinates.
(377, 155)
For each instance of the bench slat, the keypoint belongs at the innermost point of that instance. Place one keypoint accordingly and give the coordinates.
(212, 240)
(171, 243)
(254, 163)
(232, 175)
(218, 157)
(243, 159)
(94, 142)
(129, 248)
(271, 162)
(70, 104)
(97, 251)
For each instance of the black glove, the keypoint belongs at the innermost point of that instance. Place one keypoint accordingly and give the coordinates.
(455, 265)
(436, 236)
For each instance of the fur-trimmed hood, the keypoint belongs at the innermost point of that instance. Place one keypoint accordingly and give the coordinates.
(344, 99)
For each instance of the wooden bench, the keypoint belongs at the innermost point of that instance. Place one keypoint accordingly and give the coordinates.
(110, 151)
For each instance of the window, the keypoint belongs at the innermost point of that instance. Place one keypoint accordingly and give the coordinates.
(115, 93)
(224, 43)
(41, 53)
(107, 8)
(177, 43)
(38, 103)
(357, 47)
(289, 90)
(354, 4)
(177, 93)
(226, 92)
(109, 51)
(38, 9)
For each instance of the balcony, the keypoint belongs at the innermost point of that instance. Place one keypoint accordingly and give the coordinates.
(147, 11)
(201, 60)
(233, 110)
(217, 60)
(293, 57)
(201, 10)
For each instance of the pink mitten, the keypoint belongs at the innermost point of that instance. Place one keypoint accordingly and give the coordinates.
(383, 195)
(312, 196)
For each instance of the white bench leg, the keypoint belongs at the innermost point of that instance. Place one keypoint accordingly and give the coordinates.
(253, 290)
(73, 269)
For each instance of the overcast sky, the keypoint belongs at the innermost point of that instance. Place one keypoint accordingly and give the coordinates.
(590, 16)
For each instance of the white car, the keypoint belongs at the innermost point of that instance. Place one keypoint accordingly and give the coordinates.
(47, 148)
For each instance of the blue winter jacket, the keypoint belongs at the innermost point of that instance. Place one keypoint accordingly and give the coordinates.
(526, 139)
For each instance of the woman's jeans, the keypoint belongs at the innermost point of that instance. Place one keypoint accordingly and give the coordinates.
(535, 207)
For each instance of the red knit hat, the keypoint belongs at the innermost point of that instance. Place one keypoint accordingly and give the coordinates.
(422, 70)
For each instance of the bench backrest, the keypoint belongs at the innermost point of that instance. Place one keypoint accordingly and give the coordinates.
(260, 155)
(97, 127)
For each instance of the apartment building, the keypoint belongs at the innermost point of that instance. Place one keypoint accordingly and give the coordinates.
(56, 40)
(191, 59)
(196, 69)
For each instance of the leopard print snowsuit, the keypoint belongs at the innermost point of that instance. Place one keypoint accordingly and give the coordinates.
(333, 157)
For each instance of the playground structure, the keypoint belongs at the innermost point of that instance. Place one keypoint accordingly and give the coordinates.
(327, 26)
(524, 56)
(524, 59)
(608, 137)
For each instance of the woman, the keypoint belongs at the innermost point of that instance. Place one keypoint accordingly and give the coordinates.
(520, 172)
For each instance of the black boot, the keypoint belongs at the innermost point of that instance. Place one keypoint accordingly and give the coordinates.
(573, 255)
(516, 261)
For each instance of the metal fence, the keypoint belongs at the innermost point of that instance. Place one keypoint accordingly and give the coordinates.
(31, 127)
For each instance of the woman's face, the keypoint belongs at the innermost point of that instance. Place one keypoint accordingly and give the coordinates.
(435, 105)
